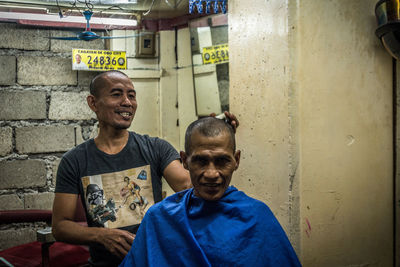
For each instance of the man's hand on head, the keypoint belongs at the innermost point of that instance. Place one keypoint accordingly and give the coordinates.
(118, 242)
(231, 118)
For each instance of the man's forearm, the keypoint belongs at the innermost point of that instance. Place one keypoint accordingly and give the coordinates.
(116, 241)
(177, 177)
(74, 233)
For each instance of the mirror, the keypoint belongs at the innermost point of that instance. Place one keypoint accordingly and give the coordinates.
(210, 55)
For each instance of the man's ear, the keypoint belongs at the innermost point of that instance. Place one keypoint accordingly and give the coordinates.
(184, 159)
(237, 158)
(91, 100)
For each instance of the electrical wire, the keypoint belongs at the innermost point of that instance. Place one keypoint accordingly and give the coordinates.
(74, 6)
(90, 6)
(176, 4)
(59, 10)
(87, 3)
(65, 14)
(167, 2)
(148, 11)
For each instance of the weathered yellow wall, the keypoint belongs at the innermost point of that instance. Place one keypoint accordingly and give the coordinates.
(312, 87)
(345, 96)
(259, 87)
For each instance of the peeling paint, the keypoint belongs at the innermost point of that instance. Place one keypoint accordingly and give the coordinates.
(334, 214)
(308, 229)
(350, 140)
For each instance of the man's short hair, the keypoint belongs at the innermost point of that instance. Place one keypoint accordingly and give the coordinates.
(97, 81)
(209, 127)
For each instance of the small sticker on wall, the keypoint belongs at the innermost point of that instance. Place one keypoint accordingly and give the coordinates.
(98, 60)
(216, 54)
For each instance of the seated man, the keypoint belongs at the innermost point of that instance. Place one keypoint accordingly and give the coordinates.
(211, 224)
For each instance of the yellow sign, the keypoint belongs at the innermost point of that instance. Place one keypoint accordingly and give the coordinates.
(98, 60)
(216, 54)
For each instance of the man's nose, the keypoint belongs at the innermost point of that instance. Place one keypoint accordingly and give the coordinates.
(126, 101)
(211, 172)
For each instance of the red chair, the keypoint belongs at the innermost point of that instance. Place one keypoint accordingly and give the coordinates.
(46, 251)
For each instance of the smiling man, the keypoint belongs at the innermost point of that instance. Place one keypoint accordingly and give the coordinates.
(99, 167)
(212, 224)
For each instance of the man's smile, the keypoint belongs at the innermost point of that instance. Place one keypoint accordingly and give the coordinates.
(125, 114)
(211, 184)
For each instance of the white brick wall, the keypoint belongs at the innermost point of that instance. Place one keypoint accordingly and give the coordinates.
(22, 174)
(41, 139)
(25, 39)
(16, 236)
(42, 201)
(11, 202)
(41, 70)
(7, 69)
(22, 105)
(70, 106)
(6, 140)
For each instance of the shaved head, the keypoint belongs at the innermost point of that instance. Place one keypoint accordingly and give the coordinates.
(209, 127)
(97, 82)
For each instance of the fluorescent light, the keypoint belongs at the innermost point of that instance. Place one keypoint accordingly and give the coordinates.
(115, 2)
(22, 7)
(73, 19)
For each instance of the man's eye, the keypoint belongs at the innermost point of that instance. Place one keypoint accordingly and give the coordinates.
(222, 161)
(132, 97)
(200, 161)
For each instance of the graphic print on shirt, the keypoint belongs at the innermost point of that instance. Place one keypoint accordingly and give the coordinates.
(118, 199)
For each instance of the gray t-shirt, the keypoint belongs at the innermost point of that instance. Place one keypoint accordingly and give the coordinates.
(116, 190)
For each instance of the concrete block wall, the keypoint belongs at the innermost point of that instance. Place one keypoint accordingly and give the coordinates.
(43, 114)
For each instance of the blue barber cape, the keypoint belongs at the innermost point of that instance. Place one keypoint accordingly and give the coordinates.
(185, 230)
